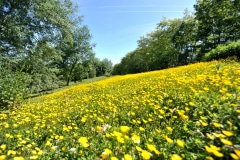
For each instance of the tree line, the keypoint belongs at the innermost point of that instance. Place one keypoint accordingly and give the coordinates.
(43, 45)
(214, 25)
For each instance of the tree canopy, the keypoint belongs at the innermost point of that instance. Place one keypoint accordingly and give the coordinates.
(185, 40)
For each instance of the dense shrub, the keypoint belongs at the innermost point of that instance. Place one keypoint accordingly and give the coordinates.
(223, 51)
(13, 87)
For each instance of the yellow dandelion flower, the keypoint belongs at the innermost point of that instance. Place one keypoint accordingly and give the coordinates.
(175, 157)
(169, 129)
(135, 138)
(141, 129)
(18, 158)
(218, 125)
(3, 157)
(209, 158)
(151, 147)
(217, 154)
(83, 140)
(204, 124)
(145, 155)
(191, 104)
(114, 158)
(169, 140)
(139, 149)
(120, 139)
(226, 142)
(3, 146)
(33, 157)
(124, 129)
(127, 157)
(210, 136)
(228, 133)
(235, 156)
(11, 152)
(180, 143)
(106, 153)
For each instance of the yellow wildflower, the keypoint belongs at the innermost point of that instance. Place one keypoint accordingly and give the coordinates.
(124, 129)
(114, 158)
(226, 142)
(214, 150)
(180, 143)
(210, 136)
(120, 139)
(3, 157)
(228, 133)
(191, 104)
(145, 155)
(169, 129)
(175, 157)
(83, 141)
(218, 125)
(135, 138)
(11, 152)
(141, 129)
(151, 147)
(106, 153)
(3, 146)
(127, 157)
(18, 158)
(235, 156)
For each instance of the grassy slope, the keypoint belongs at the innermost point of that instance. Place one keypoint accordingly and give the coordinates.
(188, 112)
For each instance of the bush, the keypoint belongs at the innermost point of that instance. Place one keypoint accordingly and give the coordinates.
(223, 51)
(13, 88)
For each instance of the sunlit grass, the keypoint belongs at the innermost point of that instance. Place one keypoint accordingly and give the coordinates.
(188, 112)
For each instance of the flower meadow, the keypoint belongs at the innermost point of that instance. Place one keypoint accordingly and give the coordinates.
(188, 112)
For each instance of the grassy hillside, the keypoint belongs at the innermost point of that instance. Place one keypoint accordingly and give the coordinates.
(189, 112)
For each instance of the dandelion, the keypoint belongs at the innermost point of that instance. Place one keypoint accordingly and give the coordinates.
(18, 158)
(114, 158)
(3, 157)
(83, 141)
(175, 157)
(141, 129)
(180, 143)
(11, 152)
(48, 143)
(127, 157)
(226, 142)
(228, 133)
(3, 146)
(106, 153)
(218, 125)
(191, 104)
(145, 155)
(214, 150)
(135, 138)
(169, 129)
(124, 129)
(235, 156)
(120, 139)
(210, 136)
(33, 157)
(139, 149)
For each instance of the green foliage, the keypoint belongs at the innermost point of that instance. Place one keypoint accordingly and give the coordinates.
(223, 51)
(13, 87)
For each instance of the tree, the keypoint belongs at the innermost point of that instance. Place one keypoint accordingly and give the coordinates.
(76, 52)
(217, 22)
(184, 39)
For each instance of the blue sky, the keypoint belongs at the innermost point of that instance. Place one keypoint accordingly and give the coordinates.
(116, 25)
